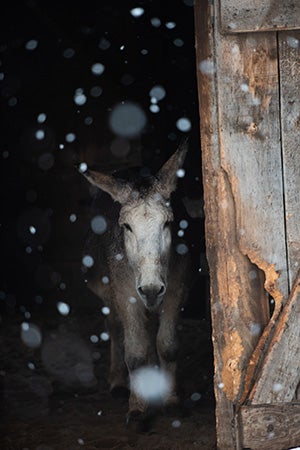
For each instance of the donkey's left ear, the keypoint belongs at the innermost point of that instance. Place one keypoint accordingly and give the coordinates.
(118, 189)
(168, 174)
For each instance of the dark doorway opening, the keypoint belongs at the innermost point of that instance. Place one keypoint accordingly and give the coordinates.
(66, 68)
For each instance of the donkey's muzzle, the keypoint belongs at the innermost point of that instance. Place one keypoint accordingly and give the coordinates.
(151, 295)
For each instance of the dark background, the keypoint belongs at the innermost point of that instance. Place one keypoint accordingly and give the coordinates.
(40, 186)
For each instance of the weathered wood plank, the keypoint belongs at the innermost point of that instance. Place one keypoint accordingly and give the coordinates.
(259, 15)
(211, 168)
(238, 131)
(289, 66)
(249, 114)
(280, 372)
(243, 192)
(270, 427)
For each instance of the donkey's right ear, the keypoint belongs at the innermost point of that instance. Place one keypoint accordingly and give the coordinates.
(118, 189)
(168, 174)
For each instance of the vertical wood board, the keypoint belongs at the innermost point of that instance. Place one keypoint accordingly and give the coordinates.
(239, 100)
(259, 15)
(204, 40)
(249, 118)
(289, 65)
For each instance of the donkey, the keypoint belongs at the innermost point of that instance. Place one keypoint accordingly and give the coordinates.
(140, 276)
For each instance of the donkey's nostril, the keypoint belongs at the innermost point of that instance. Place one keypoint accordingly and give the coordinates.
(141, 292)
(161, 291)
(151, 293)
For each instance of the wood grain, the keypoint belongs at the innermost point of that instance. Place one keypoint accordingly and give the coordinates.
(280, 372)
(204, 19)
(289, 66)
(251, 150)
(259, 15)
(270, 427)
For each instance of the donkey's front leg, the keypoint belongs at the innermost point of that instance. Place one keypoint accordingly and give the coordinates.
(137, 350)
(167, 347)
(118, 370)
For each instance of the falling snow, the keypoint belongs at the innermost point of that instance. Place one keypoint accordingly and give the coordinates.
(207, 67)
(176, 424)
(158, 92)
(83, 167)
(63, 308)
(31, 335)
(151, 384)
(137, 12)
(104, 336)
(68, 53)
(105, 310)
(96, 91)
(156, 22)
(97, 69)
(31, 45)
(182, 249)
(79, 97)
(70, 137)
(12, 101)
(154, 108)
(178, 42)
(127, 120)
(255, 329)
(41, 118)
(104, 44)
(170, 25)
(195, 396)
(180, 173)
(88, 261)
(40, 134)
(277, 387)
(183, 224)
(292, 42)
(98, 224)
(32, 229)
(184, 124)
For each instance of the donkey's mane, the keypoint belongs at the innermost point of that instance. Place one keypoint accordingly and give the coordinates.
(140, 182)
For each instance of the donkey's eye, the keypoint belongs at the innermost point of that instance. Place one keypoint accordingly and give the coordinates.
(127, 227)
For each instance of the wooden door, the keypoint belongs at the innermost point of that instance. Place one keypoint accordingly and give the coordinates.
(249, 99)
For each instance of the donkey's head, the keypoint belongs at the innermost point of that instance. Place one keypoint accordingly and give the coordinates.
(145, 217)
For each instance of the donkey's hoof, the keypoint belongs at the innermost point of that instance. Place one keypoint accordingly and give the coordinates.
(120, 392)
(141, 420)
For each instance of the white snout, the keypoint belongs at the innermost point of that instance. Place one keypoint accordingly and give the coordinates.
(152, 294)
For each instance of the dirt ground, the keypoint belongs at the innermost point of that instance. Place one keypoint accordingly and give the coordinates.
(56, 397)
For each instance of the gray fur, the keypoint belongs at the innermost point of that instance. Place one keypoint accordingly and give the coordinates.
(147, 277)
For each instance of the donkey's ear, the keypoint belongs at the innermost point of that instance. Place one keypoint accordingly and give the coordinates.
(168, 174)
(118, 189)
